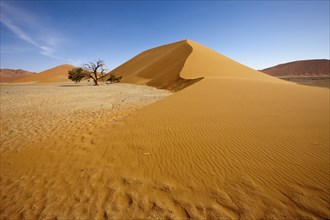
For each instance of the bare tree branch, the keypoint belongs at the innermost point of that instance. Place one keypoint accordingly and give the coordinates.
(95, 70)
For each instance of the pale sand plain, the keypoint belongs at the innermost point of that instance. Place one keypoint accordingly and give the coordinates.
(234, 144)
(55, 119)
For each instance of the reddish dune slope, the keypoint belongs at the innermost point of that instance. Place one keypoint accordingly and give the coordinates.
(56, 74)
(10, 75)
(300, 68)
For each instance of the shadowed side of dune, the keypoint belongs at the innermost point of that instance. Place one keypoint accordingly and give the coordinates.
(159, 67)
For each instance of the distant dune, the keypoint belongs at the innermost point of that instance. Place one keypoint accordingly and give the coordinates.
(56, 74)
(306, 68)
(304, 72)
(234, 144)
(10, 75)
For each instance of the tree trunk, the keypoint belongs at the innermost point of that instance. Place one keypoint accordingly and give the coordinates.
(95, 80)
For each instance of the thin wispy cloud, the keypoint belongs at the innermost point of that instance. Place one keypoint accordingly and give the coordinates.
(29, 28)
(16, 30)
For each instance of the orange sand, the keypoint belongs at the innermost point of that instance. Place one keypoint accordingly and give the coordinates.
(10, 75)
(237, 144)
(301, 68)
(56, 74)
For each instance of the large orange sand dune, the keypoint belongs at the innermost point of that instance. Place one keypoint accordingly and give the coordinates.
(237, 144)
(167, 67)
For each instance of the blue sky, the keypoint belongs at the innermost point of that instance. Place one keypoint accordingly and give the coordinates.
(37, 35)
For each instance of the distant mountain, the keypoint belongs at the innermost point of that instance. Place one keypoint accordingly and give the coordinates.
(302, 68)
(56, 74)
(10, 75)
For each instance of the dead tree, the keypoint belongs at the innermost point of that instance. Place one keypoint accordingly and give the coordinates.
(95, 70)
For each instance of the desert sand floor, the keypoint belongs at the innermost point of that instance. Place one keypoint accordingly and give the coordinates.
(56, 120)
(85, 152)
(34, 113)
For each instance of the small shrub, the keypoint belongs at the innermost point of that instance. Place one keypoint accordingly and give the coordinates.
(114, 79)
(77, 74)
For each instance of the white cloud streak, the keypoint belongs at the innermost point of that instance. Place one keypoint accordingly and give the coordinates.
(44, 40)
(16, 30)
